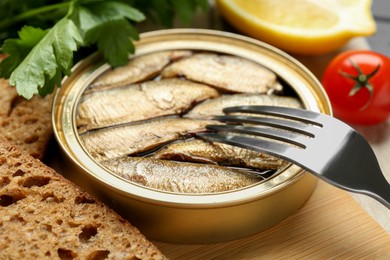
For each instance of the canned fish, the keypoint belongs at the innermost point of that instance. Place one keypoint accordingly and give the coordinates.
(129, 134)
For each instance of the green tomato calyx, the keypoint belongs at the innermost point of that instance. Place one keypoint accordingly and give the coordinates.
(361, 81)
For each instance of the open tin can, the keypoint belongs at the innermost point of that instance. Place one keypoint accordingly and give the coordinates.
(180, 217)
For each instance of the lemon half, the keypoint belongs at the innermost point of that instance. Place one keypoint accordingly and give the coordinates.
(306, 27)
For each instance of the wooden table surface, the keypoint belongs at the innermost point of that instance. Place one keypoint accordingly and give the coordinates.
(331, 225)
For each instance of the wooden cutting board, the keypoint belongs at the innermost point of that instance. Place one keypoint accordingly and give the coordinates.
(331, 225)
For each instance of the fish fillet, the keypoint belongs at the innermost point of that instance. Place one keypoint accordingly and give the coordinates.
(212, 107)
(139, 68)
(129, 139)
(180, 177)
(200, 151)
(228, 73)
(139, 102)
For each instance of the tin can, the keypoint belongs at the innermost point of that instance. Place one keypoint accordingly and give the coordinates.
(190, 218)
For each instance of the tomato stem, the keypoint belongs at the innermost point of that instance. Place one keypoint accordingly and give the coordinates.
(361, 81)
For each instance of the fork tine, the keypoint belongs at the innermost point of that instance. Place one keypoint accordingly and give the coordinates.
(285, 112)
(285, 136)
(305, 129)
(281, 150)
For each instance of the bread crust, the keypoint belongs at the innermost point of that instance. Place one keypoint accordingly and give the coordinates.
(25, 123)
(45, 216)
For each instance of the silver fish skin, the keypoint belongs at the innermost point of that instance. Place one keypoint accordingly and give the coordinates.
(130, 139)
(180, 177)
(213, 107)
(225, 72)
(139, 102)
(195, 150)
(138, 69)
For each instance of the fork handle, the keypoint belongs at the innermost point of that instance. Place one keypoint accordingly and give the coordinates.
(364, 172)
(382, 193)
(376, 187)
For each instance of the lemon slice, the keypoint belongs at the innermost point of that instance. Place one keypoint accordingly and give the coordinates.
(302, 27)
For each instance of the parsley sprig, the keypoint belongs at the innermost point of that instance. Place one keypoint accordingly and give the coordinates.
(42, 37)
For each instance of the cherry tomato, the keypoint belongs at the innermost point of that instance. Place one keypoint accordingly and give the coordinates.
(358, 85)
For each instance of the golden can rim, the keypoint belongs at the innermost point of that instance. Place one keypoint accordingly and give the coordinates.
(303, 82)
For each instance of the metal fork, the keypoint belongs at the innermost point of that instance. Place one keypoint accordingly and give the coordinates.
(321, 144)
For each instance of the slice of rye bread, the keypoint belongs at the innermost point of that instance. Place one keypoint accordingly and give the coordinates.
(45, 216)
(26, 123)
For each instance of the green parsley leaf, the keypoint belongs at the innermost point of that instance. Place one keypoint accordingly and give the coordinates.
(106, 24)
(184, 9)
(18, 49)
(112, 38)
(164, 11)
(38, 58)
(49, 60)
